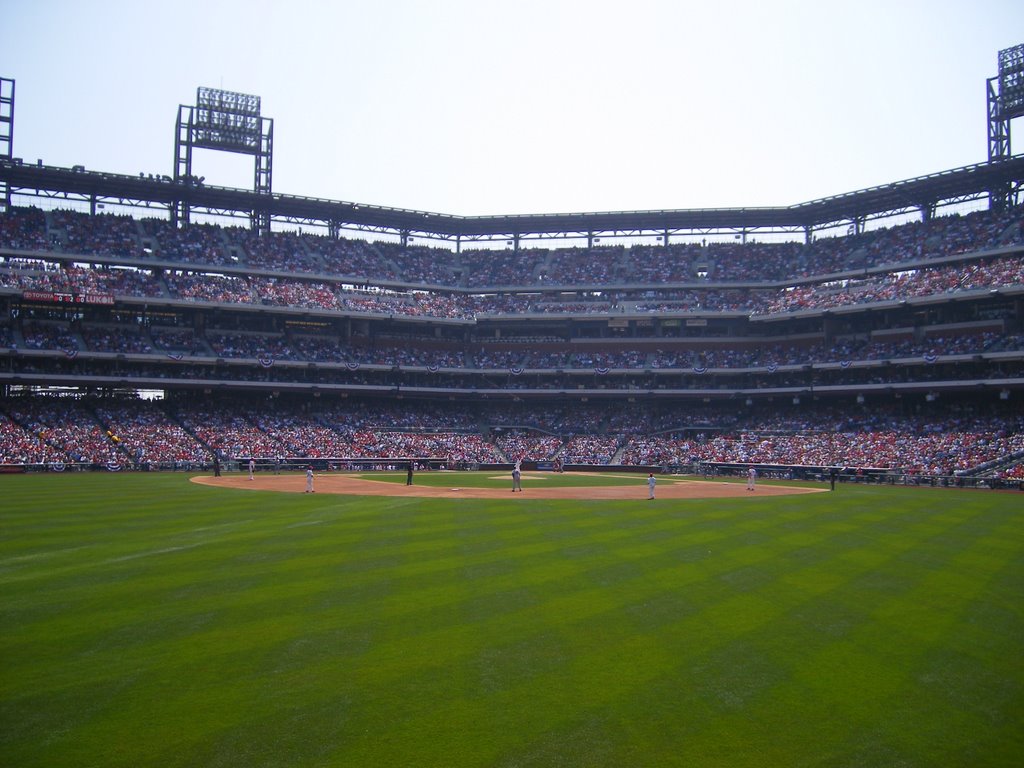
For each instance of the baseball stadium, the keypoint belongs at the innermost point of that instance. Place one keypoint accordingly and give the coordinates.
(258, 454)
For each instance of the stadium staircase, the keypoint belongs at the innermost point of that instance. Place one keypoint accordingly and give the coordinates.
(145, 241)
(993, 468)
(617, 456)
(235, 252)
(111, 431)
(543, 268)
(165, 292)
(55, 234)
(1010, 235)
(311, 256)
(857, 257)
(173, 416)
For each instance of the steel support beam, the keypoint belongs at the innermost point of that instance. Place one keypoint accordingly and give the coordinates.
(6, 135)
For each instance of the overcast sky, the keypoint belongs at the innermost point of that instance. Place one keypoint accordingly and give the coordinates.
(472, 107)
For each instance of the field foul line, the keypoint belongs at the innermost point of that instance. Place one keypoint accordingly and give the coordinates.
(14, 561)
(232, 524)
(148, 553)
(39, 555)
(168, 550)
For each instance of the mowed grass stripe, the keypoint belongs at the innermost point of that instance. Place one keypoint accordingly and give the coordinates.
(418, 569)
(305, 588)
(429, 595)
(425, 562)
(754, 674)
(301, 679)
(729, 611)
(585, 599)
(876, 664)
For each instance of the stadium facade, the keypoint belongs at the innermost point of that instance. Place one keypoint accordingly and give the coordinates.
(668, 328)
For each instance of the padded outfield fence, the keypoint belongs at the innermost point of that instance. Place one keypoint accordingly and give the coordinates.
(822, 474)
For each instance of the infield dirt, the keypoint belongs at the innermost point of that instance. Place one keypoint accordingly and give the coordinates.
(534, 487)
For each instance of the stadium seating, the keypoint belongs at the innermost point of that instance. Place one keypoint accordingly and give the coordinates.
(581, 348)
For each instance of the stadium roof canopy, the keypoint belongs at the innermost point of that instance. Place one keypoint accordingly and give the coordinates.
(922, 194)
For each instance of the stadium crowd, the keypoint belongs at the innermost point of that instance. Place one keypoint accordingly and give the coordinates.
(136, 433)
(716, 263)
(110, 257)
(738, 355)
(288, 292)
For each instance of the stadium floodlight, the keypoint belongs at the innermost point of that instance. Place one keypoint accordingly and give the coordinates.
(1005, 102)
(1011, 82)
(224, 121)
(227, 121)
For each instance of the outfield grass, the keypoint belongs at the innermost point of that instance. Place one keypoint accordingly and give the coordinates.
(147, 621)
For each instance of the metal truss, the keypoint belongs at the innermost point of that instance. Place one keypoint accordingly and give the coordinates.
(1005, 99)
(184, 196)
(998, 124)
(998, 141)
(6, 134)
(224, 121)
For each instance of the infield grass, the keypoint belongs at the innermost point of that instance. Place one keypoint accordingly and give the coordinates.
(149, 621)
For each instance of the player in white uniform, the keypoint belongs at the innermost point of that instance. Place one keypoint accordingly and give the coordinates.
(252, 468)
(309, 480)
(751, 478)
(651, 482)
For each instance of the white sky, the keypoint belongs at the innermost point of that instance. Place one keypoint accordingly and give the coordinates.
(472, 107)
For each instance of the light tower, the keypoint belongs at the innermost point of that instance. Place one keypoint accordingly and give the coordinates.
(1005, 94)
(6, 135)
(225, 121)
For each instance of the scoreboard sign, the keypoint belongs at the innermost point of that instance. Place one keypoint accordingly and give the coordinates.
(68, 298)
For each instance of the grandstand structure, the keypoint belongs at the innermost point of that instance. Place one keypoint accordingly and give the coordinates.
(809, 336)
